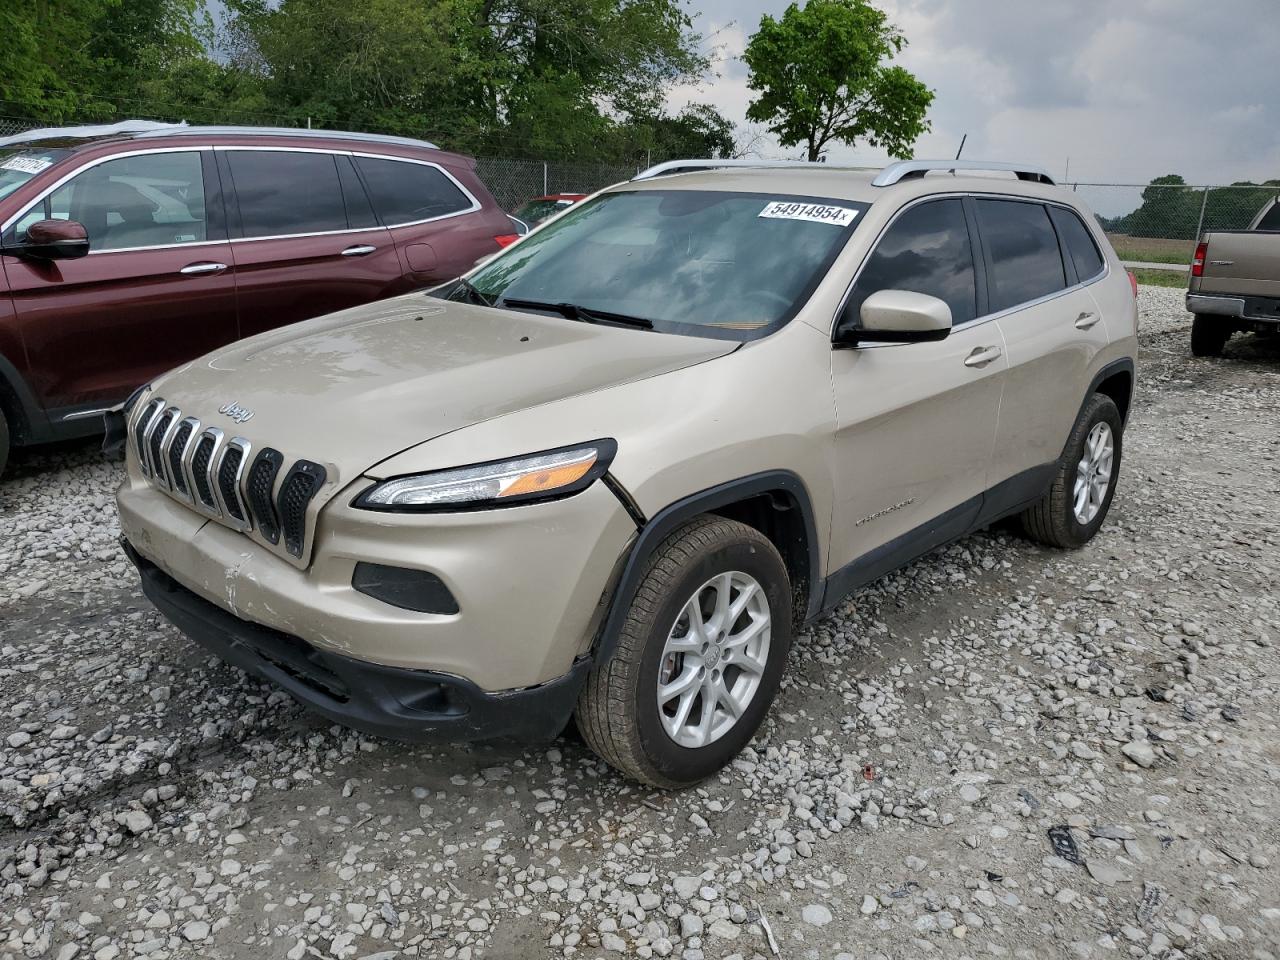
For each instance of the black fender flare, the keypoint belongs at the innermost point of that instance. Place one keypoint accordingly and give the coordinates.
(1123, 365)
(663, 523)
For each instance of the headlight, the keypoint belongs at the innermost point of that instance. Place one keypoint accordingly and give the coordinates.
(539, 476)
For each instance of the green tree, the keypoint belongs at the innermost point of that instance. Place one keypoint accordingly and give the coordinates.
(698, 130)
(533, 77)
(821, 76)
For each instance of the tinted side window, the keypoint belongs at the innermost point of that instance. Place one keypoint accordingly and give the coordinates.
(283, 192)
(1078, 243)
(926, 250)
(148, 200)
(1025, 260)
(1271, 219)
(404, 192)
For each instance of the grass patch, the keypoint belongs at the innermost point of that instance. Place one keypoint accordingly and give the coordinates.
(1161, 278)
(1152, 250)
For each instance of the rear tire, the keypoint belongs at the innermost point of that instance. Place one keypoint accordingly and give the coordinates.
(677, 637)
(4, 441)
(1076, 505)
(1209, 334)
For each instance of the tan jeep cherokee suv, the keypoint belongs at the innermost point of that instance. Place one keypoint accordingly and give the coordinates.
(611, 471)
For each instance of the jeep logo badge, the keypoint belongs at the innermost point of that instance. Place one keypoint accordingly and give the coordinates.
(236, 412)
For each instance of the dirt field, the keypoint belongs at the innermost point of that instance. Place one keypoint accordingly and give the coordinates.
(932, 737)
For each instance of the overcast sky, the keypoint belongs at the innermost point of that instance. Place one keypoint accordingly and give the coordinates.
(1128, 91)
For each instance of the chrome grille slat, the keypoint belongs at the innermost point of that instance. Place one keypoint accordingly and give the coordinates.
(229, 474)
(204, 456)
(157, 433)
(259, 490)
(299, 486)
(176, 455)
(142, 432)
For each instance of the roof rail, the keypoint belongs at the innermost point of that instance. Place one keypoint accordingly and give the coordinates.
(912, 169)
(687, 166)
(209, 131)
(94, 130)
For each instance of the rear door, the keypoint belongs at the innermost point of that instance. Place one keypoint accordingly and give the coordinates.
(1036, 254)
(155, 290)
(305, 240)
(440, 226)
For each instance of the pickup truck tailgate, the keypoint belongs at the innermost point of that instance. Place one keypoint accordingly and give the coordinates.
(1241, 262)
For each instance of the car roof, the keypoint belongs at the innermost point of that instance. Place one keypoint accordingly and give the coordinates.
(81, 136)
(901, 180)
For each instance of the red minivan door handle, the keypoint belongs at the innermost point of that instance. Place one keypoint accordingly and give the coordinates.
(197, 269)
(360, 250)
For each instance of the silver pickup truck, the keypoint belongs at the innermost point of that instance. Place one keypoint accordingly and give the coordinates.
(1235, 282)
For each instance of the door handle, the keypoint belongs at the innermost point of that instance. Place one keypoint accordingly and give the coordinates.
(360, 250)
(981, 356)
(196, 269)
(1086, 320)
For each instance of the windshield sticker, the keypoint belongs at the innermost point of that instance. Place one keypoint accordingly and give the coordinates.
(812, 212)
(30, 165)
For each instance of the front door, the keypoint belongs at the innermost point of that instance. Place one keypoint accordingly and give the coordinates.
(916, 422)
(155, 291)
(304, 237)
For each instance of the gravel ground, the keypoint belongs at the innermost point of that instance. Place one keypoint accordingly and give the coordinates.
(932, 738)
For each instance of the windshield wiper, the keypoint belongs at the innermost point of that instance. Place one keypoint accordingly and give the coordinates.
(574, 312)
(474, 292)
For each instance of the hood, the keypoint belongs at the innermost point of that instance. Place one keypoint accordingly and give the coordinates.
(353, 388)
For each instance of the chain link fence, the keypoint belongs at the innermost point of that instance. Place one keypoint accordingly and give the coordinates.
(1161, 223)
(512, 182)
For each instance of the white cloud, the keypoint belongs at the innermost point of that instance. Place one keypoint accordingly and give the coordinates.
(1127, 92)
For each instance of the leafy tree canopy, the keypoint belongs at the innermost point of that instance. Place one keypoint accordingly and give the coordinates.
(821, 76)
(583, 79)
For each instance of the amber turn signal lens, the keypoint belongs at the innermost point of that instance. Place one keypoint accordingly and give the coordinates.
(541, 481)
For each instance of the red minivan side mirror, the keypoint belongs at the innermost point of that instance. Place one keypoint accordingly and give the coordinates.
(54, 240)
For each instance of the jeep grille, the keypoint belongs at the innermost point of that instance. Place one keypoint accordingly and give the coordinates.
(220, 476)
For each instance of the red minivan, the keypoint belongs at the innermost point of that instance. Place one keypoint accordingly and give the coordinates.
(129, 249)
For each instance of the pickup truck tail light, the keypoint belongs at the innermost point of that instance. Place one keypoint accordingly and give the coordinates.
(1133, 282)
(1197, 262)
(507, 239)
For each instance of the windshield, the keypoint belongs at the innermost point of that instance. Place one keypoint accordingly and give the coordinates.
(535, 211)
(707, 263)
(18, 165)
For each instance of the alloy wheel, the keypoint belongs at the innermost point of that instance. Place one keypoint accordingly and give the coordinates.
(714, 659)
(1093, 473)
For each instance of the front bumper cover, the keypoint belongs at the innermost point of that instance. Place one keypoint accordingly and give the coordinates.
(393, 702)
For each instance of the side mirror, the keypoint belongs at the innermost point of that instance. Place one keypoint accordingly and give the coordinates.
(54, 240)
(896, 316)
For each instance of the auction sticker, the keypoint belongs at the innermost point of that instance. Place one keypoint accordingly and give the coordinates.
(31, 165)
(812, 212)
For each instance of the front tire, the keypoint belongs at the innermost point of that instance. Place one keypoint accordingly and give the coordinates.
(1209, 334)
(1077, 503)
(699, 657)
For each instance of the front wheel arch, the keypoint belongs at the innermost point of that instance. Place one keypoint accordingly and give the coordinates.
(747, 499)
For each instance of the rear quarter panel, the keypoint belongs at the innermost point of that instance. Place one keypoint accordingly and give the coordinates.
(440, 250)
